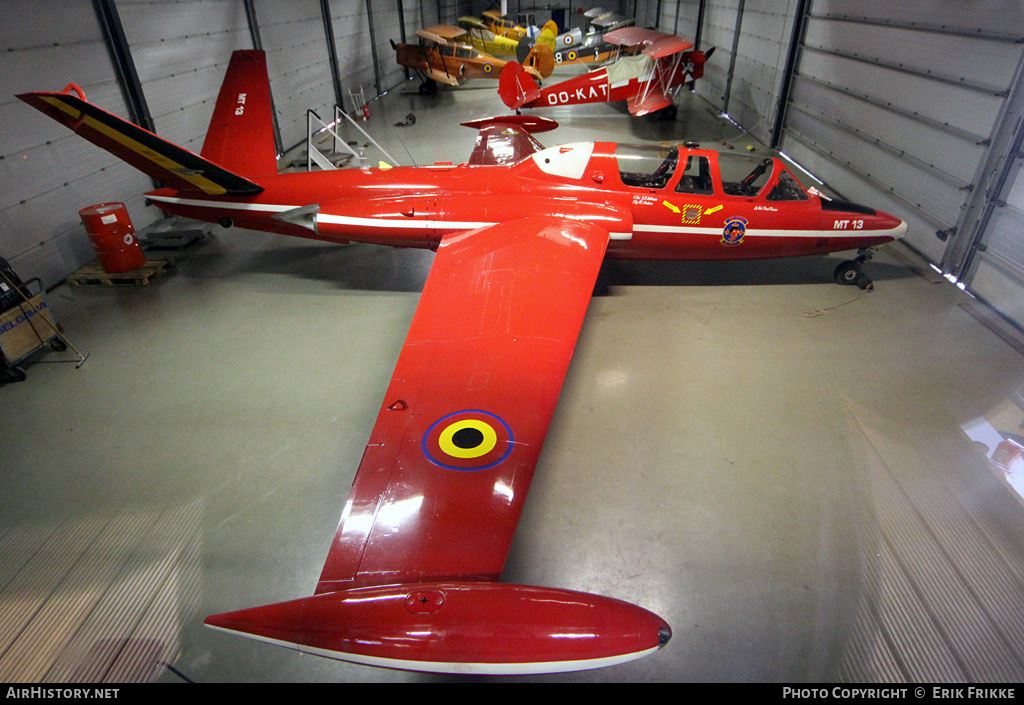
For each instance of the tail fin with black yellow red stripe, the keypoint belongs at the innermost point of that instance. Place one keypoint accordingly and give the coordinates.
(239, 143)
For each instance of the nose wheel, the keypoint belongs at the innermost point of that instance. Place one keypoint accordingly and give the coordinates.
(852, 271)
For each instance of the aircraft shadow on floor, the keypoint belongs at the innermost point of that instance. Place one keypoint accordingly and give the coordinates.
(782, 271)
(361, 267)
(357, 267)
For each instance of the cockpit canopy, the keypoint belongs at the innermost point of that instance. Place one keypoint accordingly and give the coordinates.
(727, 173)
(460, 51)
(703, 172)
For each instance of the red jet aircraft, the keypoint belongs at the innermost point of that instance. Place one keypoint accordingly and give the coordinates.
(647, 79)
(411, 580)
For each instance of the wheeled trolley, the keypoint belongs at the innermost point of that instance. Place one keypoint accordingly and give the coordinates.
(27, 324)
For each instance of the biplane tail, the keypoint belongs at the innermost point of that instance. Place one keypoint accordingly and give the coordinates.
(516, 86)
(239, 144)
(541, 59)
(695, 59)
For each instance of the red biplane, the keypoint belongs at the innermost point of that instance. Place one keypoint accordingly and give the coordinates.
(647, 78)
(411, 579)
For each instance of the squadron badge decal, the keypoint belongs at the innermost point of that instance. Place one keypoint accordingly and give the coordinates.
(735, 229)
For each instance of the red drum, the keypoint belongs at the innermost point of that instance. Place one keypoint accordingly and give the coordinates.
(113, 237)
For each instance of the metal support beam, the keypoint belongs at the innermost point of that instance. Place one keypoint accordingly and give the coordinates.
(257, 43)
(254, 25)
(373, 48)
(795, 43)
(124, 65)
(332, 52)
(700, 23)
(402, 34)
(989, 183)
(732, 59)
(401, 21)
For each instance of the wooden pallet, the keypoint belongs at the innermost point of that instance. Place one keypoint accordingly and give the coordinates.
(92, 274)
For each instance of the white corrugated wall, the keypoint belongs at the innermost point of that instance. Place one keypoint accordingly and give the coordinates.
(180, 50)
(898, 105)
(912, 107)
(47, 173)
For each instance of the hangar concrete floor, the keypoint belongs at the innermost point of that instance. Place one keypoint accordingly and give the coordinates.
(772, 462)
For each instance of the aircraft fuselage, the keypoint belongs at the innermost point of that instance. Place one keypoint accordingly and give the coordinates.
(417, 206)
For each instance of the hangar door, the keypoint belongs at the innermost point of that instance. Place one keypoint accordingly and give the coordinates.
(897, 104)
(750, 38)
(994, 260)
(293, 35)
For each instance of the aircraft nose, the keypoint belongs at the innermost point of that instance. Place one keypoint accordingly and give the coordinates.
(664, 634)
(892, 226)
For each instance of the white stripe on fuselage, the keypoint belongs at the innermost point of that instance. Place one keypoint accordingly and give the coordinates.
(756, 232)
(222, 205)
(458, 225)
(408, 224)
(381, 223)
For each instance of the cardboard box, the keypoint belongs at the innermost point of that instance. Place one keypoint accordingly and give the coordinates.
(25, 328)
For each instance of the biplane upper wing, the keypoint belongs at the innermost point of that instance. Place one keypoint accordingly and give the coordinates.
(655, 44)
(410, 580)
(442, 34)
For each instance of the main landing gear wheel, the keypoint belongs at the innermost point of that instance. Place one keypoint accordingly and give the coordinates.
(852, 271)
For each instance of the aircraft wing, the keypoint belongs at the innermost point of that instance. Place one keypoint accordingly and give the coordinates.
(440, 76)
(410, 580)
(655, 44)
(648, 101)
(445, 473)
(442, 34)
